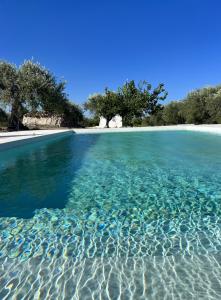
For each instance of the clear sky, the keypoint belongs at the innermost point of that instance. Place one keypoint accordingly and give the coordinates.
(99, 43)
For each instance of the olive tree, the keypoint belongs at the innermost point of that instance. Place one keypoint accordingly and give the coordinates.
(29, 87)
(107, 105)
(172, 113)
(10, 91)
(3, 117)
(213, 104)
(194, 107)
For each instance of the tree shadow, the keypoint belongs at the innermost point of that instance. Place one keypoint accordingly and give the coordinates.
(40, 175)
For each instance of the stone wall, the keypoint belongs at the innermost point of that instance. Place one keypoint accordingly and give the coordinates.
(39, 122)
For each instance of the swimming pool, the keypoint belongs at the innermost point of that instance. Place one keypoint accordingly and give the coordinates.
(112, 216)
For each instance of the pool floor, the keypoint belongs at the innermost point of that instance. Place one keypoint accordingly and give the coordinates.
(112, 216)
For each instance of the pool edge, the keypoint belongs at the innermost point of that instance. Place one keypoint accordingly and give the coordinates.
(23, 138)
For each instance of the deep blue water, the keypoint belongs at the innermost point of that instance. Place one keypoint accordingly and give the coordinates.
(40, 175)
(115, 196)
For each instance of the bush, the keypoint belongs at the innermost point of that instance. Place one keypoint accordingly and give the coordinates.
(91, 122)
(172, 113)
(154, 120)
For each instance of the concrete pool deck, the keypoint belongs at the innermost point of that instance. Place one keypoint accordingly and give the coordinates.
(14, 138)
(201, 128)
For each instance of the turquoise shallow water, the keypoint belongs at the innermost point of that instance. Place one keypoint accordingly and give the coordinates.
(112, 216)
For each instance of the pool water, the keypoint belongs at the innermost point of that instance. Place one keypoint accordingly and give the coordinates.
(112, 216)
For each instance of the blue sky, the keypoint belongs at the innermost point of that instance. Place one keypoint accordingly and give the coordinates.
(99, 43)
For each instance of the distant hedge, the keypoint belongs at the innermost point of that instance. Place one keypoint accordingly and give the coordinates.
(202, 106)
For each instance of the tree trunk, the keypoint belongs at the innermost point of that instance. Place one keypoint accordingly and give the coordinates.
(14, 122)
(108, 120)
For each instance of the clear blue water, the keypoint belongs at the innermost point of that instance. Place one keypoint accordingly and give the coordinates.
(112, 216)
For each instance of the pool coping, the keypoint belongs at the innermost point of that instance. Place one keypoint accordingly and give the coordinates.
(16, 138)
(187, 127)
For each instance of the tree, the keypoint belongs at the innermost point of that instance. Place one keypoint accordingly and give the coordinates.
(73, 115)
(40, 88)
(199, 107)
(140, 101)
(213, 104)
(106, 105)
(194, 107)
(3, 117)
(131, 105)
(10, 91)
(130, 101)
(29, 88)
(172, 113)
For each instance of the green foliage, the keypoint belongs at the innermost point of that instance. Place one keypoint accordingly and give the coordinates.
(90, 122)
(106, 105)
(155, 119)
(136, 122)
(130, 101)
(172, 113)
(73, 115)
(40, 88)
(32, 88)
(213, 106)
(194, 108)
(202, 106)
(10, 91)
(140, 101)
(9, 83)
